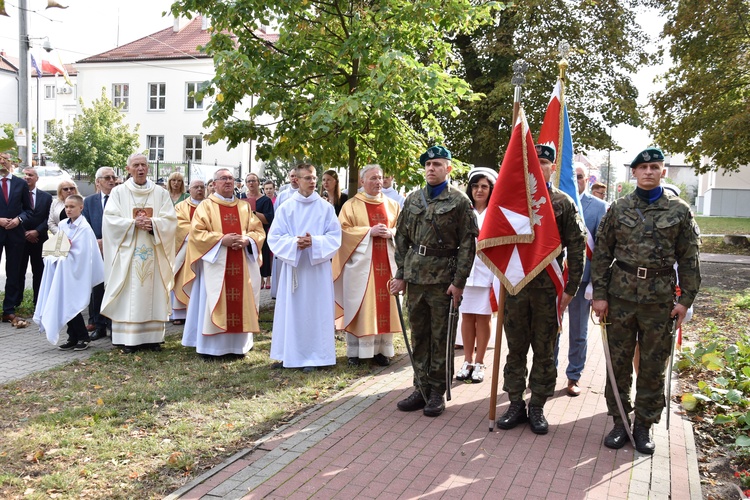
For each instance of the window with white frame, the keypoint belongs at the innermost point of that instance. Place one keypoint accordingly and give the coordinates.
(48, 125)
(49, 91)
(192, 102)
(193, 148)
(157, 96)
(155, 147)
(121, 96)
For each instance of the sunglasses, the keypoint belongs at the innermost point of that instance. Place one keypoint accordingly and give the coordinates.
(579, 177)
(68, 189)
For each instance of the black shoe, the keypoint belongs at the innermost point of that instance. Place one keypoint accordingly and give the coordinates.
(353, 362)
(129, 349)
(642, 437)
(277, 366)
(308, 369)
(435, 405)
(81, 346)
(537, 422)
(515, 415)
(154, 347)
(381, 360)
(617, 437)
(101, 333)
(413, 403)
(67, 346)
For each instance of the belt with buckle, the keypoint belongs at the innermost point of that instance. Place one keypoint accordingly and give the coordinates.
(644, 272)
(435, 252)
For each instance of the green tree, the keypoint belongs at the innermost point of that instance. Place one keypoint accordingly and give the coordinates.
(704, 109)
(347, 82)
(607, 46)
(99, 137)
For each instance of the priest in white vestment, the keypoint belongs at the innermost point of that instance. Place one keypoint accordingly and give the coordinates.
(304, 236)
(281, 198)
(138, 233)
(62, 295)
(362, 268)
(222, 273)
(185, 210)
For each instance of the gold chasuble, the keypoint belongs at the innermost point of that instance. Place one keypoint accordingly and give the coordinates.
(185, 211)
(363, 266)
(229, 287)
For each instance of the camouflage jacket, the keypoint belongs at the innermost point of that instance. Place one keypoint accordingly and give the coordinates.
(649, 236)
(572, 232)
(451, 210)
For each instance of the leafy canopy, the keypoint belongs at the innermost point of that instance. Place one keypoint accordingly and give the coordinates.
(346, 83)
(704, 109)
(99, 137)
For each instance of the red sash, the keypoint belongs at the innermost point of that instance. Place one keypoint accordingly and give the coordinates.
(233, 271)
(381, 268)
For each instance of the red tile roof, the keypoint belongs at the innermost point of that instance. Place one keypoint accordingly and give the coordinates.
(10, 64)
(164, 44)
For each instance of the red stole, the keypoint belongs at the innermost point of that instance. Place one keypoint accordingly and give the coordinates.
(192, 211)
(233, 270)
(381, 268)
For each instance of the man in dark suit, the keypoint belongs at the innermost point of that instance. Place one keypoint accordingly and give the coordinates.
(36, 233)
(93, 208)
(15, 209)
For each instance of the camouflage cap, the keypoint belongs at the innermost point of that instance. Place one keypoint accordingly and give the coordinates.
(546, 151)
(647, 156)
(434, 152)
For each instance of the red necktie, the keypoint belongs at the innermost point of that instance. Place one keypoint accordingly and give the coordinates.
(5, 189)
(31, 197)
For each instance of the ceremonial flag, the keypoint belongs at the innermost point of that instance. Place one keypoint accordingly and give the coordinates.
(65, 75)
(36, 67)
(519, 236)
(50, 68)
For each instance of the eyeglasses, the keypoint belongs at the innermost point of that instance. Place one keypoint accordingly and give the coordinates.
(579, 176)
(251, 181)
(225, 179)
(108, 177)
(68, 189)
(482, 187)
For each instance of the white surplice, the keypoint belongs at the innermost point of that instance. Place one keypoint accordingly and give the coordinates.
(138, 264)
(67, 281)
(303, 322)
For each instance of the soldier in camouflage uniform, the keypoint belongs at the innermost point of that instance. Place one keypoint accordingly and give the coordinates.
(644, 234)
(531, 315)
(435, 247)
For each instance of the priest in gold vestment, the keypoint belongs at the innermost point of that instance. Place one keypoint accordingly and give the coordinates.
(185, 211)
(362, 268)
(222, 273)
(138, 230)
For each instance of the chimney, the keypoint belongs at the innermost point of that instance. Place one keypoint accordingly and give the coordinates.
(179, 23)
(205, 23)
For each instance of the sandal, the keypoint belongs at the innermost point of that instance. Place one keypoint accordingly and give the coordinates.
(477, 375)
(19, 323)
(464, 374)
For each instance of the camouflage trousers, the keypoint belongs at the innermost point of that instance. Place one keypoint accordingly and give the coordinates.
(651, 327)
(531, 321)
(428, 316)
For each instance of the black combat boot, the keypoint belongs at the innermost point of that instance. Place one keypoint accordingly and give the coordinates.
(435, 405)
(537, 422)
(617, 437)
(515, 415)
(413, 403)
(642, 436)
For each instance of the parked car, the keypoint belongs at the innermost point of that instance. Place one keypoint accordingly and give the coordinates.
(50, 177)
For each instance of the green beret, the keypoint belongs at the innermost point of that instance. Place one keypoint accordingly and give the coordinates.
(434, 152)
(647, 156)
(546, 151)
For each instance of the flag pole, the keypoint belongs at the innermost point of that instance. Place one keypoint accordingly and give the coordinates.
(564, 49)
(519, 79)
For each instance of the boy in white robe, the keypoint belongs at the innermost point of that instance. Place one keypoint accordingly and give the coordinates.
(60, 298)
(304, 236)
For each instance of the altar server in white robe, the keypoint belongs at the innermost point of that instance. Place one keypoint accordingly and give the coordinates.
(138, 237)
(185, 210)
(222, 274)
(304, 236)
(65, 279)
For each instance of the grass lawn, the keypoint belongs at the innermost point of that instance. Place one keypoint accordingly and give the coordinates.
(723, 225)
(123, 426)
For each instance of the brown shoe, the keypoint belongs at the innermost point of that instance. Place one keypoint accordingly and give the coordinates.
(8, 318)
(573, 389)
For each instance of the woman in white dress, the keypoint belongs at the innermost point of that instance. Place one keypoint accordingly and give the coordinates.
(476, 311)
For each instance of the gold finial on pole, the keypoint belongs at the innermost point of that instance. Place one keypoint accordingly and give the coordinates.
(520, 67)
(564, 49)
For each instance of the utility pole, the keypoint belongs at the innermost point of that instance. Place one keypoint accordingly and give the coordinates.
(23, 81)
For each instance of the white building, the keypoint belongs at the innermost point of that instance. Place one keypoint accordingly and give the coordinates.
(725, 195)
(154, 78)
(8, 88)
